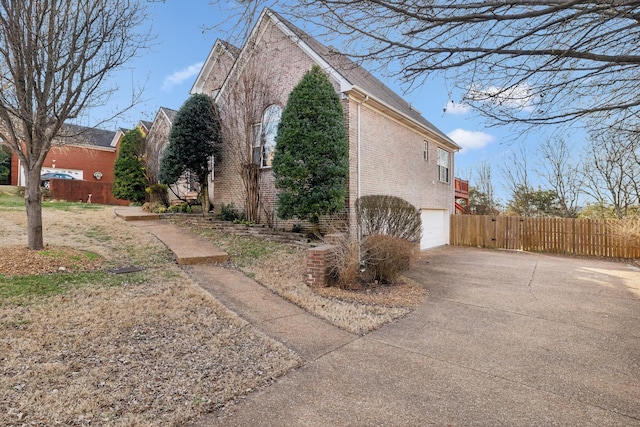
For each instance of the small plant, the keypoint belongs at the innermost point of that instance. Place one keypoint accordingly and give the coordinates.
(154, 207)
(158, 193)
(243, 222)
(185, 208)
(230, 213)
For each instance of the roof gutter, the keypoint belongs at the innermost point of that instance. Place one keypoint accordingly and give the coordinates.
(398, 115)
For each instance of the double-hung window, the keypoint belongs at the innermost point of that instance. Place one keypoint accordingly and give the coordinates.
(443, 165)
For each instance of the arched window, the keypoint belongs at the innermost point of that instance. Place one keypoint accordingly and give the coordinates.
(265, 136)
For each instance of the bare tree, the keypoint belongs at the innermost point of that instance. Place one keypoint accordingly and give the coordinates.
(515, 178)
(563, 174)
(55, 57)
(611, 171)
(485, 186)
(516, 61)
(248, 129)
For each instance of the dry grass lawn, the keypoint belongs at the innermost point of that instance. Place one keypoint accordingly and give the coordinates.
(146, 349)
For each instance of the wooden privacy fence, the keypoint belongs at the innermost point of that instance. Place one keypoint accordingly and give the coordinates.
(589, 237)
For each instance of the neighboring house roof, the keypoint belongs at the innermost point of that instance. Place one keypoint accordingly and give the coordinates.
(171, 114)
(220, 47)
(85, 136)
(146, 125)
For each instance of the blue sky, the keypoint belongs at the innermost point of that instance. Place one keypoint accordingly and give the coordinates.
(169, 68)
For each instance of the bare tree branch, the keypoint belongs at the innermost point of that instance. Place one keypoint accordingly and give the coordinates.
(518, 61)
(55, 57)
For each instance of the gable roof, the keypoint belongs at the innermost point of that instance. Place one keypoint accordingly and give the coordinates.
(220, 47)
(171, 114)
(353, 79)
(361, 80)
(85, 136)
(145, 124)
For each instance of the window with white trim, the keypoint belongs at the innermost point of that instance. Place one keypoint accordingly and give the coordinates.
(264, 136)
(425, 151)
(443, 165)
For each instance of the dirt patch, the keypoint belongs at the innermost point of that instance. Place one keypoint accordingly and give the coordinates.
(405, 293)
(20, 261)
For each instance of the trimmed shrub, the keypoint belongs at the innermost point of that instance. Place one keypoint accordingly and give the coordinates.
(158, 193)
(388, 215)
(311, 157)
(129, 180)
(386, 257)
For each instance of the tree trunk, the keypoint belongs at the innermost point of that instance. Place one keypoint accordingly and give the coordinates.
(206, 203)
(33, 203)
(251, 177)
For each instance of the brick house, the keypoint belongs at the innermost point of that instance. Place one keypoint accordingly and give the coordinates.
(157, 141)
(393, 150)
(219, 62)
(87, 154)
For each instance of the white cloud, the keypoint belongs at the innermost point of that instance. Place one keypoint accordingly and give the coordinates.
(520, 96)
(457, 109)
(471, 140)
(180, 76)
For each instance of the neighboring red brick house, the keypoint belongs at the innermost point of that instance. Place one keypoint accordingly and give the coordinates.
(393, 149)
(87, 154)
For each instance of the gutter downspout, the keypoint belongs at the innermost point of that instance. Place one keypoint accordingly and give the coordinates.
(359, 187)
(359, 141)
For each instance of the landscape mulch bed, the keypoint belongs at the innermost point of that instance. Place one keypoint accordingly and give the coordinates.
(20, 261)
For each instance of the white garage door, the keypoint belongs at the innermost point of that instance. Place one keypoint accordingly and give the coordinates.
(435, 228)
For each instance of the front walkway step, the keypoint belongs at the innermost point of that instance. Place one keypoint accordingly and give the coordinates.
(135, 213)
(187, 248)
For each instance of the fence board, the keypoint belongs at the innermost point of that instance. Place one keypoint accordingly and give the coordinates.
(588, 237)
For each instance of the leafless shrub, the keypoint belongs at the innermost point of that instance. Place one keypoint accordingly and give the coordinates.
(386, 257)
(389, 215)
(344, 264)
(379, 257)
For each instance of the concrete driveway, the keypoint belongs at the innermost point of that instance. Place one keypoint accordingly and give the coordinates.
(504, 338)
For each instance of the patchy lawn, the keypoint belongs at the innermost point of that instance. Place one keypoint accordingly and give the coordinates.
(82, 346)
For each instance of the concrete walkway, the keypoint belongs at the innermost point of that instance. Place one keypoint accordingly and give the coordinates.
(306, 334)
(187, 248)
(504, 338)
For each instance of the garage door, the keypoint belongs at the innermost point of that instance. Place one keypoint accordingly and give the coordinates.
(435, 228)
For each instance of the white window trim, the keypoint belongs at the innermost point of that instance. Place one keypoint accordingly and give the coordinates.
(444, 170)
(259, 137)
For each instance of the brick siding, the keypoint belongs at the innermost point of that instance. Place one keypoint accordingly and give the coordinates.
(391, 153)
(318, 265)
